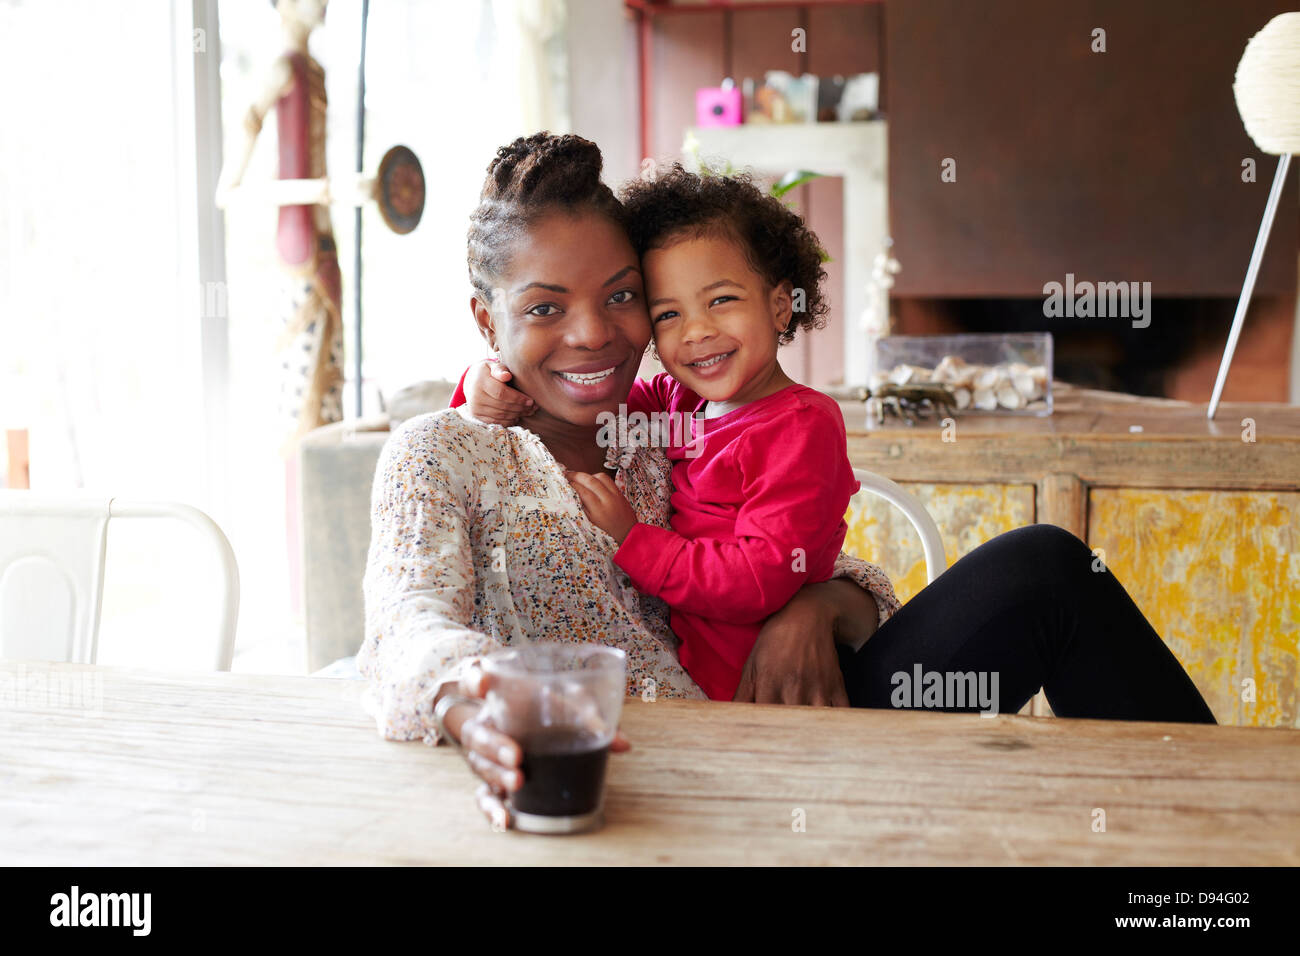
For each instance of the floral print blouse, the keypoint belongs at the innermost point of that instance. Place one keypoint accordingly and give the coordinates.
(478, 541)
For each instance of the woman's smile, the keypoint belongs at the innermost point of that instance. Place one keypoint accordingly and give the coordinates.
(596, 381)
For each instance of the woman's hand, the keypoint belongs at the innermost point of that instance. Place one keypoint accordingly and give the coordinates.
(489, 399)
(605, 505)
(794, 660)
(494, 756)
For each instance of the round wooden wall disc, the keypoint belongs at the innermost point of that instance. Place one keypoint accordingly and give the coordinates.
(401, 189)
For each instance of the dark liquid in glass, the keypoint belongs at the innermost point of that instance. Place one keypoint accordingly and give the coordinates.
(564, 771)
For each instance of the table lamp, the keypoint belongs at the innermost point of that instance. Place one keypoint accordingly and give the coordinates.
(1267, 89)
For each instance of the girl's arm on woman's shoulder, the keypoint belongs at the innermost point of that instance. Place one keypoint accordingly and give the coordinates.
(419, 579)
(486, 396)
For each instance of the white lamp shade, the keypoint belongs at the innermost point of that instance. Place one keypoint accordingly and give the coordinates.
(1267, 86)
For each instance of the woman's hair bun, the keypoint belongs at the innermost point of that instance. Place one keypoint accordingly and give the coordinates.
(544, 168)
(526, 178)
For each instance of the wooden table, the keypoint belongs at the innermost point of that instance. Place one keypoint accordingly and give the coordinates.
(168, 768)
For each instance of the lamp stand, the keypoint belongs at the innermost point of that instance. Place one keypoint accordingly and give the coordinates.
(1252, 271)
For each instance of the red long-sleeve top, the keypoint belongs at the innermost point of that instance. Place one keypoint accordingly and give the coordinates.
(759, 498)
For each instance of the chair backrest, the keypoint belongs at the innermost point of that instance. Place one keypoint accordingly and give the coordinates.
(936, 560)
(52, 553)
(51, 576)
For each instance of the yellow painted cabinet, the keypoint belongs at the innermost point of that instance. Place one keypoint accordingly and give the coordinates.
(1216, 572)
(1218, 575)
(967, 516)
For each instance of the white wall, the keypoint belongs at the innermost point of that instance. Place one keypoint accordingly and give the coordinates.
(603, 82)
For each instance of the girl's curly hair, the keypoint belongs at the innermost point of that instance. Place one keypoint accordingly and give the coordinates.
(532, 176)
(777, 243)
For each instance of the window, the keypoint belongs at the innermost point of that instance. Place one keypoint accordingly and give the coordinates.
(113, 349)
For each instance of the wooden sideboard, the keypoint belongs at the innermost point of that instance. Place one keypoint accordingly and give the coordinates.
(1202, 527)
(1200, 520)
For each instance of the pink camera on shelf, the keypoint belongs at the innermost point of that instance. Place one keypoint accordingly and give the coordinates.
(718, 106)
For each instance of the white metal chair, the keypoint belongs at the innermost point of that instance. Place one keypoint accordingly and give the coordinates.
(52, 551)
(936, 561)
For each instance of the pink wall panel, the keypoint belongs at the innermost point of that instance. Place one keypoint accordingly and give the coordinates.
(761, 41)
(825, 214)
(688, 54)
(845, 40)
(796, 358)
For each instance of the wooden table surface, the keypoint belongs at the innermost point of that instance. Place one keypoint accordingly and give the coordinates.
(171, 768)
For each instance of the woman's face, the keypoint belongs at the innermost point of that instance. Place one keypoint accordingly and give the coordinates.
(570, 317)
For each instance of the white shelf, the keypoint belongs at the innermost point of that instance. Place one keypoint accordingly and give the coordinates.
(830, 148)
(856, 152)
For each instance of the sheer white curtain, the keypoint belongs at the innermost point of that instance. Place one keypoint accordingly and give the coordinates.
(101, 310)
(453, 82)
(443, 79)
(97, 330)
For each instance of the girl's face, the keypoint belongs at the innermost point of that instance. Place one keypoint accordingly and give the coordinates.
(570, 317)
(715, 319)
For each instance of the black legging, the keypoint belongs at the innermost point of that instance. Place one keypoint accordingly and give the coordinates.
(1029, 607)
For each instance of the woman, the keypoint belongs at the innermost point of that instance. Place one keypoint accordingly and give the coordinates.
(479, 540)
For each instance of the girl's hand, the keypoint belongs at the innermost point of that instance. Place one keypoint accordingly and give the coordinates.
(604, 503)
(489, 399)
(494, 756)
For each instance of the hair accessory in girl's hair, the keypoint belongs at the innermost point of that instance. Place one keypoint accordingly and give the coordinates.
(618, 458)
(622, 438)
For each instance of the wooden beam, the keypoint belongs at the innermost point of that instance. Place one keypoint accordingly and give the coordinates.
(19, 462)
(1063, 501)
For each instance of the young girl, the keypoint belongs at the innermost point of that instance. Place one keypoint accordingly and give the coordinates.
(761, 476)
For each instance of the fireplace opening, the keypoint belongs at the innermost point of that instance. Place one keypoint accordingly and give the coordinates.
(1175, 356)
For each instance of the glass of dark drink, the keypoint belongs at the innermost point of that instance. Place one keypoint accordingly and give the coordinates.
(561, 703)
